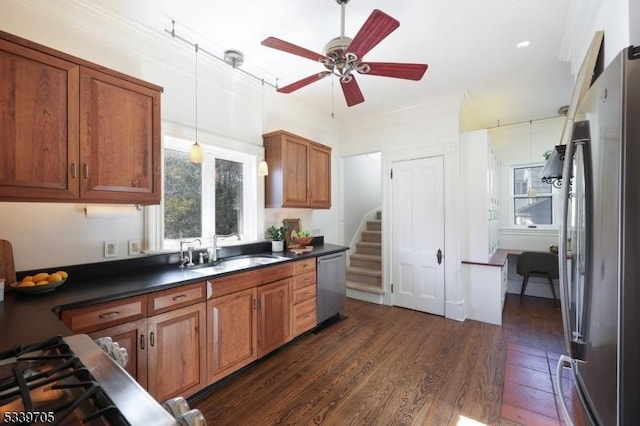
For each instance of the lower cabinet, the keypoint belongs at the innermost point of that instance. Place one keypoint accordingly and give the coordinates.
(179, 342)
(274, 316)
(165, 340)
(231, 329)
(304, 299)
(131, 336)
(487, 288)
(176, 352)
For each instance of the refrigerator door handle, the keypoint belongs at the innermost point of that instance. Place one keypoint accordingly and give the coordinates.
(562, 247)
(564, 359)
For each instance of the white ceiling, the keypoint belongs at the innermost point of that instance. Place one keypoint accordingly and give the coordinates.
(470, 45)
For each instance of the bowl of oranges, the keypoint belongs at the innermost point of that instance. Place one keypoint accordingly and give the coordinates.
(41, 282)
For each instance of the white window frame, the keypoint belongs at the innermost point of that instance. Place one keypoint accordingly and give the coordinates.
(154, 215)
(555, 201)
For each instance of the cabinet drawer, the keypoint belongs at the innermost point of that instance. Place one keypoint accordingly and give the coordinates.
(304, 293)
(304, 280)
(253, 278)
(103, 315)
(303, 266)
(304, 316)
(173, 298)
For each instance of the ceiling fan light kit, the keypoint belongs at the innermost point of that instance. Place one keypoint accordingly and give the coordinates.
(343, 56)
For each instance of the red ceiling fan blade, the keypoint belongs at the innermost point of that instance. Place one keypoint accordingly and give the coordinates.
(304, 82)
(285, 46)
(352, 93)
(396, 70)
(375, 29)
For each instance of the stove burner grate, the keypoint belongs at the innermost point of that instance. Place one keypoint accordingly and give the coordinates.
(49, 377)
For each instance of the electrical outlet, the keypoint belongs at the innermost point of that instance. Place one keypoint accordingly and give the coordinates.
(110, 248)
(134, 247)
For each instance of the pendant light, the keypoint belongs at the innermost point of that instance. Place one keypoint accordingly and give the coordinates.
(263, 167)
(195, 154)
(531, 193)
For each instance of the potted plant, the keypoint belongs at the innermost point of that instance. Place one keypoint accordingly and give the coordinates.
(277, 235)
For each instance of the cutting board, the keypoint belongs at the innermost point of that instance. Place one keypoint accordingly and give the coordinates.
(7, 266)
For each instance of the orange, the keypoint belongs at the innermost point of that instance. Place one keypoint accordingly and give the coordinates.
(63, 274)
(55, 277)
(26, 284)
(44, 282)
(41, 276)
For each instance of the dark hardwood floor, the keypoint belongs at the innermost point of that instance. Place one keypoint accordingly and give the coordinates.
(385, 365)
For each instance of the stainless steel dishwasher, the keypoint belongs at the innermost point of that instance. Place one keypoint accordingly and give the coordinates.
(332, 285)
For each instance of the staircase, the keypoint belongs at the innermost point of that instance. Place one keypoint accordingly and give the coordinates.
(364, 273)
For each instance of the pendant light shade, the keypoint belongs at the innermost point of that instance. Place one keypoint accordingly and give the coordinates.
(195, 154)
(263, 168)
(531, 192)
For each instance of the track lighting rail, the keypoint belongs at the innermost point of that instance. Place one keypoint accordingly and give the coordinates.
(174, 35)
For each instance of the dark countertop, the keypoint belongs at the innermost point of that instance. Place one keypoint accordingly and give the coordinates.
(30, 318)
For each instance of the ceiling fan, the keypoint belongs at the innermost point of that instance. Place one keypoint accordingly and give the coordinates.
(344, 55)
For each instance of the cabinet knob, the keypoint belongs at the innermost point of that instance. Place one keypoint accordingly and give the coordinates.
(85, 169)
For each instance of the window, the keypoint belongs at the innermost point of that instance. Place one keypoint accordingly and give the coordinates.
(533, 204)
(217, 196)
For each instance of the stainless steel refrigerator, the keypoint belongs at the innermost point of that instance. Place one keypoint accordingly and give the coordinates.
(600, 247)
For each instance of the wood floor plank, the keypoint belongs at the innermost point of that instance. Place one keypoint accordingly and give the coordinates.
(385, 365)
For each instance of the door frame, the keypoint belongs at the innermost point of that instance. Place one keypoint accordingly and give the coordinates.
(454, 300)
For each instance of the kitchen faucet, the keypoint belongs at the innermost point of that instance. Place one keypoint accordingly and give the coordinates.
(213, 257)
(189, 258)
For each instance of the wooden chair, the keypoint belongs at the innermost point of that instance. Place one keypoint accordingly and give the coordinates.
(538, 264)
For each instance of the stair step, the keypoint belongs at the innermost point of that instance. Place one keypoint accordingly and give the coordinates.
(374, 225)
(371, 236)
(368, 288)
(364, 275)
(379, 215)
(366, 261)
(369, 248)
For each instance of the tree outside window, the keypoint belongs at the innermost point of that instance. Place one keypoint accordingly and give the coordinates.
(202, 199)
(532, 198)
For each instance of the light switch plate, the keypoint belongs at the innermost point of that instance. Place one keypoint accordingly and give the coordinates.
(134, 247)
(110, 248)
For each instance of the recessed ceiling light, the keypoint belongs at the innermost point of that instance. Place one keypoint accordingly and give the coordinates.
(523, 44)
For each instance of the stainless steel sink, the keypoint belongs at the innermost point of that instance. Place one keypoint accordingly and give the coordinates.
(238, 263)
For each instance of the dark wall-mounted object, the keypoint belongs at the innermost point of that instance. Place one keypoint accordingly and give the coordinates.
(552, 171)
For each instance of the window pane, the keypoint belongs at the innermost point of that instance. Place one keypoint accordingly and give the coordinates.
(229, 208)
(533, 211)
(525, 178)
(182, 196)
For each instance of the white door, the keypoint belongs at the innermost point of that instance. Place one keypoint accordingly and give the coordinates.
(417, 234)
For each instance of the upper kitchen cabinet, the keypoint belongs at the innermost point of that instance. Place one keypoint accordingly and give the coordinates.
(39, 137)
(299, 172)
(72, 131)
(481, 200)
(119, 139)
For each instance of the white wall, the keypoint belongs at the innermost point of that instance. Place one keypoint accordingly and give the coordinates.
(362, 189)
(232, 111)
(522, 144)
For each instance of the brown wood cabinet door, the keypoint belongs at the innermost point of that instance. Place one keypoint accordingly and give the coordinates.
(295, 172)
(119, 139)
(231, 333)
(133, 337)
(274, 315)
(38, 125)
(319, 177)
(176, 352)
